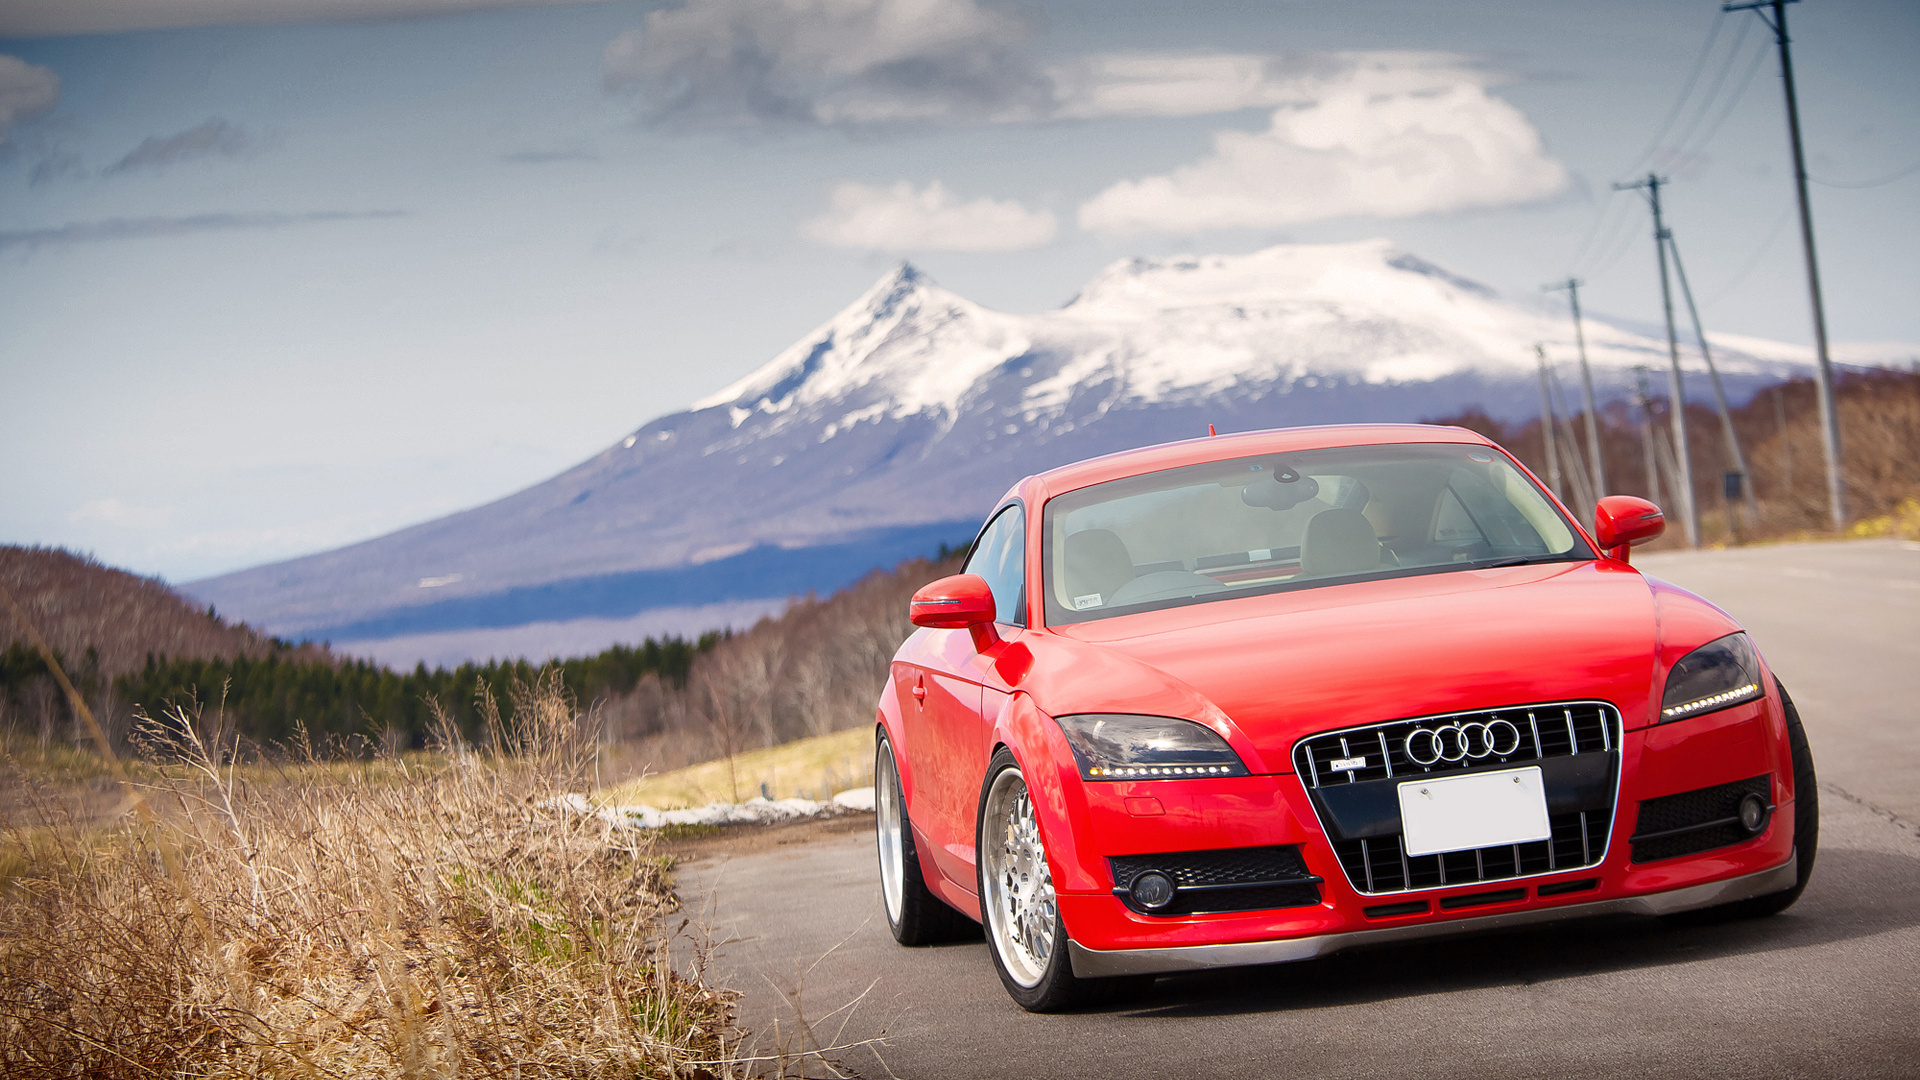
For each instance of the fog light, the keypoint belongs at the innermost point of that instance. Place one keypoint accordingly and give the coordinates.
(1152, 890)
(1753, 813)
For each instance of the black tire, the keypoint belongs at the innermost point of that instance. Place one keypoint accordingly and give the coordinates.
(1806, 833)
(923, 918)
(1057, 987)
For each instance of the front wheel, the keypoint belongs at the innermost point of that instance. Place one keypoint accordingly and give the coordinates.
(1024, 931)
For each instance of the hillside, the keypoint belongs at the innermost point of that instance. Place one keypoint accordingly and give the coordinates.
(79, 604)
(894, 425)
(103, 625)
(130, 642)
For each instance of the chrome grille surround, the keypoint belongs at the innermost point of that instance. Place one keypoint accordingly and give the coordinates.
(1372, 760)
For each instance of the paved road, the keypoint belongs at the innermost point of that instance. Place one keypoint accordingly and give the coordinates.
(1831, 988)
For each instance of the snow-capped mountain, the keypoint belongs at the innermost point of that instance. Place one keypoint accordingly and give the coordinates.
(894, 426)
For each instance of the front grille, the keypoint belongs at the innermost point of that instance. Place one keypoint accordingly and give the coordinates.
(1227, 879)
(1561, 730)
(1695, 821)
(1353, 776)
(1380, 866)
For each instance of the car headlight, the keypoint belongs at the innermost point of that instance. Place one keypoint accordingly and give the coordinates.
(1113, 746)
(1720, 673)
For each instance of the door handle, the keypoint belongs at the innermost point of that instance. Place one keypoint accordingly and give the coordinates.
(920, 690)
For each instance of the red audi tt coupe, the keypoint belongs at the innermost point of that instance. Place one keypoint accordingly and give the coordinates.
(1262, 697)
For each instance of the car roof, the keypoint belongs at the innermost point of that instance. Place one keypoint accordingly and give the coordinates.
(1221, 447)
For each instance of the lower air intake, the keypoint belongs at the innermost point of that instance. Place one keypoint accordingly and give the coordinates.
(1226, 879)
(1695, 821)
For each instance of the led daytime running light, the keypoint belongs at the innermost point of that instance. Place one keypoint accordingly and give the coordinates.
(1159, 770)
(1726, 698)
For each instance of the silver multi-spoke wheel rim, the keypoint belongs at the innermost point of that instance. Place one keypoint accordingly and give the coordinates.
(887, 821)
(1021, 914)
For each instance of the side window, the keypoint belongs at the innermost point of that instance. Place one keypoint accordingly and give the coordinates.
(1001, 558)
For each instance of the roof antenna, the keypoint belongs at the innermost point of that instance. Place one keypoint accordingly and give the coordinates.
(1210, 431)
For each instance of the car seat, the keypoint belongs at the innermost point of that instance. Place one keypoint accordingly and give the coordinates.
(1339, 541)
(1097, 563)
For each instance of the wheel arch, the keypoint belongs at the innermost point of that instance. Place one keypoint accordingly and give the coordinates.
(1040, 748)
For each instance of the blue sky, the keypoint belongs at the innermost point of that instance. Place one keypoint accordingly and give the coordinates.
(271, 287)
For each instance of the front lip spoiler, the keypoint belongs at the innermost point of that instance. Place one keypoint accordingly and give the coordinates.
(1104, 963)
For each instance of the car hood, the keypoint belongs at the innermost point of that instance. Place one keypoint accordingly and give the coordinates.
(1288, 664)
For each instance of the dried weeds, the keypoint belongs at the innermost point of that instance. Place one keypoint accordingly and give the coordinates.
(434, 919)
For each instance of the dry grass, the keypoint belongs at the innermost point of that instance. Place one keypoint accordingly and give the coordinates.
(432, 917)
(815, 768)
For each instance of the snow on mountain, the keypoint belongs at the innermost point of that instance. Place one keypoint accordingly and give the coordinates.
(895, 424)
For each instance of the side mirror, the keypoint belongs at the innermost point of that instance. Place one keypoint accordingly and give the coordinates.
(960, 602)
(1621, 521)
(953, 603)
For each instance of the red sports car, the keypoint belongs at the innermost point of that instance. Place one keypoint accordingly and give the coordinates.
(1262, 697)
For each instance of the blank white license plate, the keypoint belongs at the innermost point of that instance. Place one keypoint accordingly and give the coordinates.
(1460, 813)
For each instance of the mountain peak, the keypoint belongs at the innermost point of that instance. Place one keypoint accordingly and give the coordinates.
(841, 352)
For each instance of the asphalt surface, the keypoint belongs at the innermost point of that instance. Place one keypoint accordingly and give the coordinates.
(1830, 988)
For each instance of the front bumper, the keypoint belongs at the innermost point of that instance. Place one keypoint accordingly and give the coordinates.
(1107, 937)
(1103, 963)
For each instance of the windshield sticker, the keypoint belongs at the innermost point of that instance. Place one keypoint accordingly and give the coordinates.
(1082, 603)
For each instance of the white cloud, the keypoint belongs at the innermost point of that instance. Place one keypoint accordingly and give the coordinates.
(1384, 134)
(26, 91)
(732, 62)
(1186, 84)
(901, 219)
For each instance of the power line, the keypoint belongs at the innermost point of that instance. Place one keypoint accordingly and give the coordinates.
(1603, 212)
(1732, 102)
(1621, 243)
(1753, 261)
(1713, 94)
(1699, 65)
(1604, 222)
(1888, 179)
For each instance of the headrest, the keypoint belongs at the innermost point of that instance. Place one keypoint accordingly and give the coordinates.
(1339, 541)
(1097, 561)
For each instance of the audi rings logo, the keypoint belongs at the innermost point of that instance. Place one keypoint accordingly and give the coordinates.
(1459, 742)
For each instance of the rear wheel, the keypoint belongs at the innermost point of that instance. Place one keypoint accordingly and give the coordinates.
(1806, 832)
(1022, 918)
(914, 914)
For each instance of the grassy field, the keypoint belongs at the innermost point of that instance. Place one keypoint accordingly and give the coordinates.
(814, 768)
(426, 916)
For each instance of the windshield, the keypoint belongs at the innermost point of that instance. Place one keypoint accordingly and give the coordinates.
(1289, 521)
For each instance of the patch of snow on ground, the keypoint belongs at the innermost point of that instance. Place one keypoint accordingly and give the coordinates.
(756, 811)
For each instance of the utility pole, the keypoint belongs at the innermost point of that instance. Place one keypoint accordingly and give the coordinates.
(1641, 399)
(1719, 392)
(1823, 373)
(1586, 384)
(1677, 410)
(1579, 477)
(1546, 425)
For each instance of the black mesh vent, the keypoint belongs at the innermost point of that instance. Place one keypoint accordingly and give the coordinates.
(1694, 821)
(1228, 879)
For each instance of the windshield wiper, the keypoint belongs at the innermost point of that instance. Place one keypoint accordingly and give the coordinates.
(1518, 560)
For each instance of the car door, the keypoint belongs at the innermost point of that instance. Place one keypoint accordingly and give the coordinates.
(942, 706)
